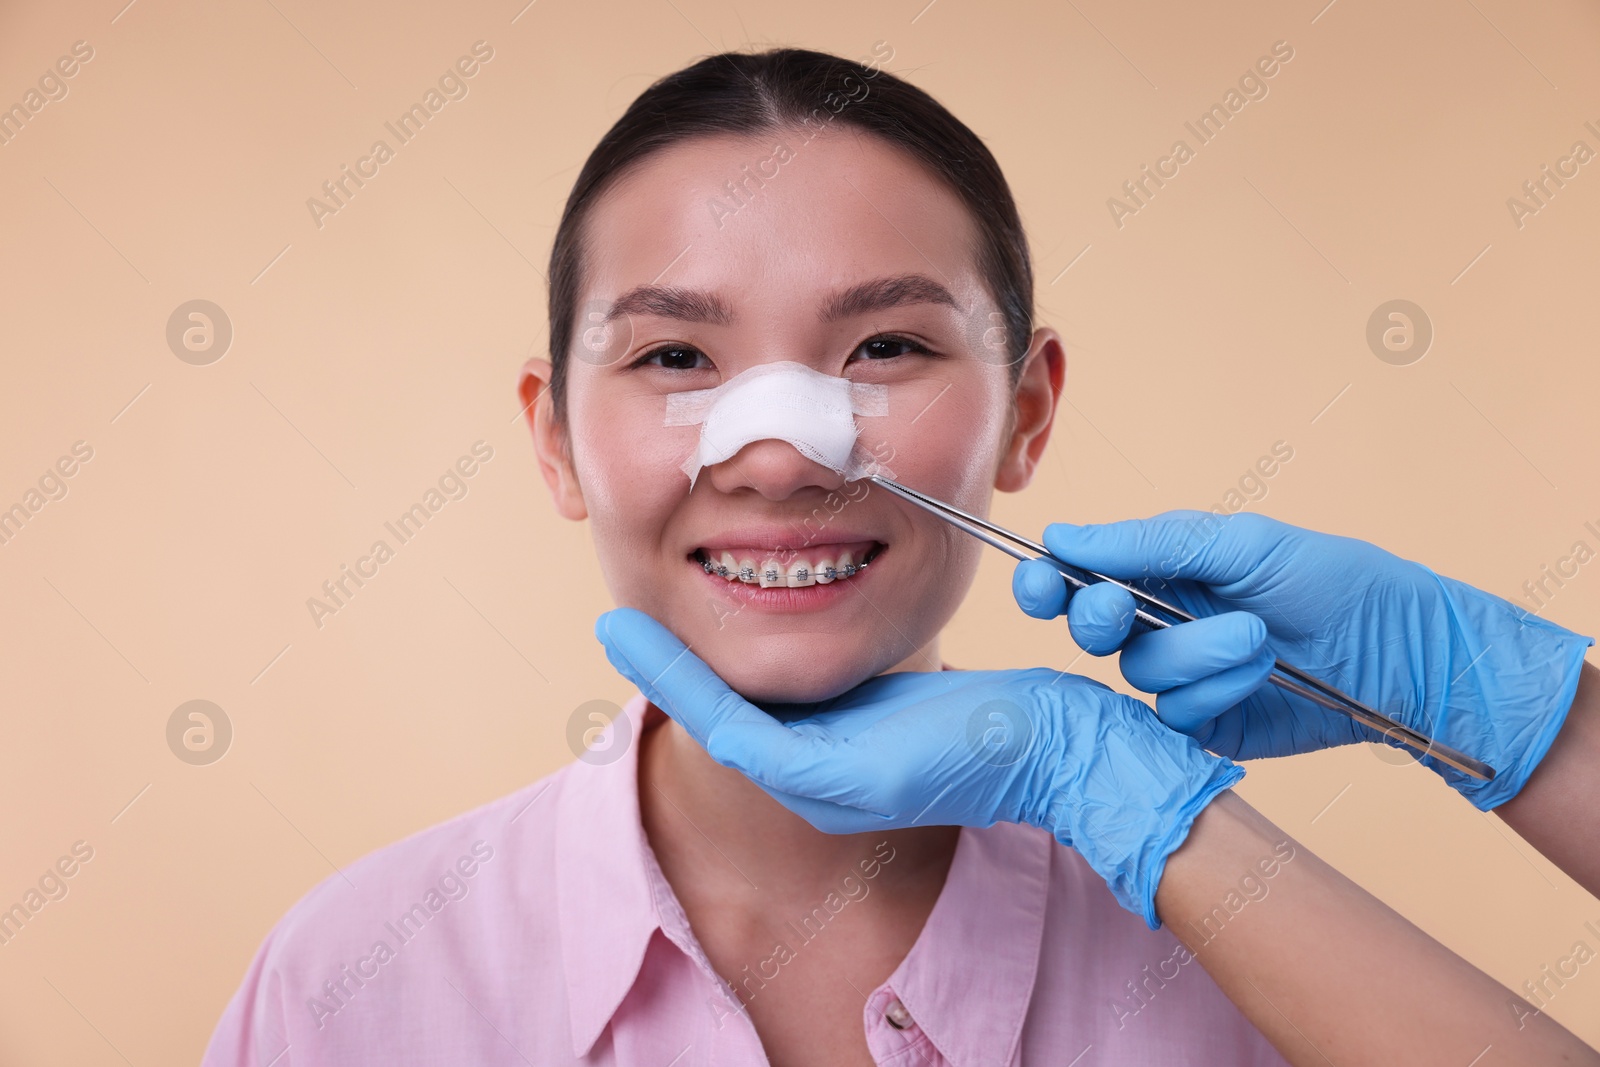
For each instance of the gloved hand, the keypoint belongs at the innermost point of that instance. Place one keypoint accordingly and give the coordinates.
(967, 748)
(1466, 668)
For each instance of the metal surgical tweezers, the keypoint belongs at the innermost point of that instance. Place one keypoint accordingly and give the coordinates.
(1159, 615)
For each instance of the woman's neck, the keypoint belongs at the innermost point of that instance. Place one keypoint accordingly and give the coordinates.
(717, 835)
(723, 843)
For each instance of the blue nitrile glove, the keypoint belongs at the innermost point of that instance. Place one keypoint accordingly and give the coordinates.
(954, 748)
(1464, 667)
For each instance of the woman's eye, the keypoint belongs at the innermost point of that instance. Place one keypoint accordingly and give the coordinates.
(675, 357)
(887, 348)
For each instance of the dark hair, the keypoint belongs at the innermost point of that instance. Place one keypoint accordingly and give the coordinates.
(742, 93)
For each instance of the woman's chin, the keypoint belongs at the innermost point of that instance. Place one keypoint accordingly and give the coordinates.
(795, 683)
(765, 693)
(799, 666)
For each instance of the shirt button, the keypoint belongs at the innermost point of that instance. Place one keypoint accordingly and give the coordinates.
(897, 1015)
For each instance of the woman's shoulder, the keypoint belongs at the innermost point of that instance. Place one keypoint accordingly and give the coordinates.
(471, 896)
(498, 853)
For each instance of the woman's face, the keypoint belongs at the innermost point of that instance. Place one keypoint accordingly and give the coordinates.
(842, 254)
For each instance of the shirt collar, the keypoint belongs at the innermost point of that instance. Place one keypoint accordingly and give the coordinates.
(991, 909)
(603, 888)
(968, 980)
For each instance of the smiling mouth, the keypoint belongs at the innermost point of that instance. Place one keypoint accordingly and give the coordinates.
(789, 568)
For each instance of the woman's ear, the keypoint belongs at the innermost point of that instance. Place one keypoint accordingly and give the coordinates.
(550, 440)
(1044, 371)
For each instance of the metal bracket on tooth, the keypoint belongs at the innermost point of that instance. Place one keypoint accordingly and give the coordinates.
(722, 572)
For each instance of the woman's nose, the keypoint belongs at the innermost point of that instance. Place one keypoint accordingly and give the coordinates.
(775, 469)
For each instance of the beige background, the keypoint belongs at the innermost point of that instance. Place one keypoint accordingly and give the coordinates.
(369, 354)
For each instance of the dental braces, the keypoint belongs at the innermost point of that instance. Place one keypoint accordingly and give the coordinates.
(774, 576)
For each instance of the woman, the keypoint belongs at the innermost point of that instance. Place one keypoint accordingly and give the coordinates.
(649, 905)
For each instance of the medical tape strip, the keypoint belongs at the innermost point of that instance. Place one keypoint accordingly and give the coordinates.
(783, 401)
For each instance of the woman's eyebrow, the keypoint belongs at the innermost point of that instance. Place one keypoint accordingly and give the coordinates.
(690, 305)
(883, 293)
(694, 305)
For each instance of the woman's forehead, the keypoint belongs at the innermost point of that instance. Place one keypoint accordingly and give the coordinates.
(774, 210)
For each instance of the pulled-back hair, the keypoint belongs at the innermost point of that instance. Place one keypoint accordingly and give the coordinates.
(747, 93)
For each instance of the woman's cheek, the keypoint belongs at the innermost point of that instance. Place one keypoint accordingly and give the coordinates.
(942, 436)
(629, 467)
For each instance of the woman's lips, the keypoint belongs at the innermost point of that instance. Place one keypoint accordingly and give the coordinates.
(790, 568)
(815, 595)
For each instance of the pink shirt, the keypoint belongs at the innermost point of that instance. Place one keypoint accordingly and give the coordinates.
(538, 929)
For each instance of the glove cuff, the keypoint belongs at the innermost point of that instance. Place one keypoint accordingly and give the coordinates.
(1155, 860)
(1093, 809)
(1510, 694)
(1546, 723)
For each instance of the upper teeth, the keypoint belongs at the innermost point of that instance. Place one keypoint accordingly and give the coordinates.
(773, 573)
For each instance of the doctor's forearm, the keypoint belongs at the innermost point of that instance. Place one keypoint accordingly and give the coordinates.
(1326, 970)
(1558, 809)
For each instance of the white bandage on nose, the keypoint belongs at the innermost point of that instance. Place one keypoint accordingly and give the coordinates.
(783, 401)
